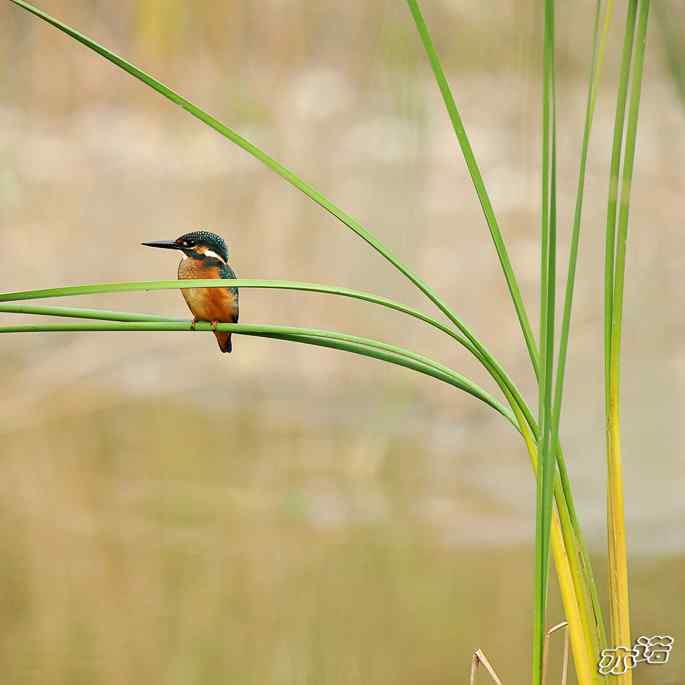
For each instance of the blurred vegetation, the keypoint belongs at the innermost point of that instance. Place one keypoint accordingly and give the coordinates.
(136, 550)
(333, 522)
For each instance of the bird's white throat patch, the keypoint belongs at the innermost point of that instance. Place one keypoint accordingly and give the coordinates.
(211, 253)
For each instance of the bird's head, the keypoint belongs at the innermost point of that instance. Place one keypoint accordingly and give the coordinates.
(197, 245)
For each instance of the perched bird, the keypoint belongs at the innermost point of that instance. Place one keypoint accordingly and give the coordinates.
(205, 255)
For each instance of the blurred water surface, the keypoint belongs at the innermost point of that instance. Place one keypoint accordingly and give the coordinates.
(290, 514)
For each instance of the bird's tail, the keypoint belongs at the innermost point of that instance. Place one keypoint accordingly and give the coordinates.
(224, 340)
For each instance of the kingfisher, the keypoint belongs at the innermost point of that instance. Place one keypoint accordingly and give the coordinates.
(205, 255)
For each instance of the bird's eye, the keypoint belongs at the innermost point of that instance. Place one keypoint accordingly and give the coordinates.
(187, 243)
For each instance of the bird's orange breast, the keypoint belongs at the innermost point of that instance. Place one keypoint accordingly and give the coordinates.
(207, 304)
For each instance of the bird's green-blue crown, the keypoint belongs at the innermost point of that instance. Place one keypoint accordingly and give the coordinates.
(212, 241)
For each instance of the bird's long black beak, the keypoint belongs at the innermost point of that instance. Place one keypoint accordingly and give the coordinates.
(168, 244)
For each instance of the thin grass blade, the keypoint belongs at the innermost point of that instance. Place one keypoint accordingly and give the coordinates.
(260, 155)
(587, 591)
(478, 182)
(614, 491)
(322, 338)
(619, 603)
(547, 324)
(481, 353)
(612, 210)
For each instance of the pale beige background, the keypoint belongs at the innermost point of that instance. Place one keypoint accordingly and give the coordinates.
(290, 514)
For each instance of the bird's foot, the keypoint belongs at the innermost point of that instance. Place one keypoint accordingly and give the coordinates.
(193, 324)
(214, 325)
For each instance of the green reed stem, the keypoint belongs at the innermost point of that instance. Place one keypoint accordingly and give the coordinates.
(619, 598)
(619, 123)
(264, 158)
(547, 316)
(323, 338)
(478, 183)
(588, 591)
(466, 338)
(486, 359)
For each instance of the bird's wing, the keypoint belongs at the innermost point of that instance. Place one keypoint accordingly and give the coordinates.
(225, 271)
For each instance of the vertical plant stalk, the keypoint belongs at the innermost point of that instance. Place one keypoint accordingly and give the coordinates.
(355, 226)
(546, 438)
(583, 656)
(587, 592)
(614, 489)
(612, 210)
(619, 605)
(578, 558)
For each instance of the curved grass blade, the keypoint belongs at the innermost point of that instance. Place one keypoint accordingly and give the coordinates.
(108, 315)
(481, 353)
(561, 562)
(375, 349)
(527, 427)
(81, 313)
(513, 286)
(275, 166)
(256, 152)
(322, 338)
(478, 183)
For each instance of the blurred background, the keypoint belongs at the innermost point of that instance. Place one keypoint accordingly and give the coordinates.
(288, 514)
